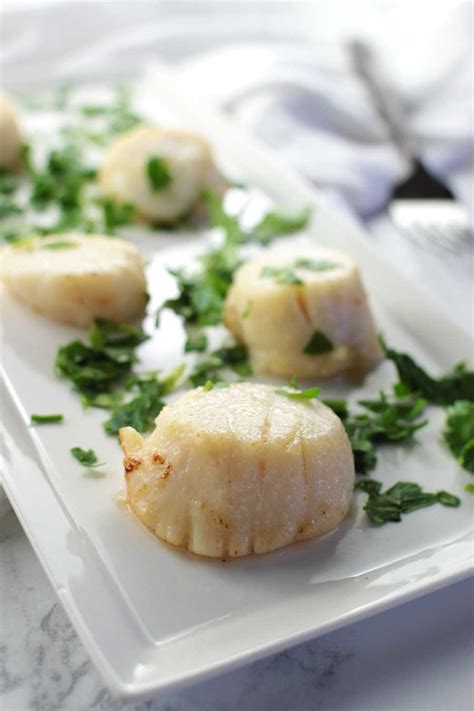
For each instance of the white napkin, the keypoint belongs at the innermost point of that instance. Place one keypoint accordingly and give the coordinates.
(319, 117)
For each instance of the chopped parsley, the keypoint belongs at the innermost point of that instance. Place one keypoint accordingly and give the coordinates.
(8, 207)
(469, 488)
(115, 214)
(146, 404)
(315, 265)
(46, 419)
(98, 367)
(229, 357)
(86, 457)
(459, 432)
(294, 393)
(282, 275)
(60, 244)
(386, 421)
(456, 385)
(201, 295)
(401, 498)
(339, 407)
(276, 224)
(63, 179)
(158, 173)
(9, 182)
(209, 385)
(309, 394)
(197, 342)
(318, 343)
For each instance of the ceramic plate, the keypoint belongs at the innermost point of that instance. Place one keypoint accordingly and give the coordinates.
(153, 617)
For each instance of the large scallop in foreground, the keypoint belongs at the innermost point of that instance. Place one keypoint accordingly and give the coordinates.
(303, 313)
(161, 172)
(10, 137)
(76, 279)
(238, 470)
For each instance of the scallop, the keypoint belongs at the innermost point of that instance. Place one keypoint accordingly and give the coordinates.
(76, 279)
(162, 172)
(303, 313)
(239, 470)
(10, 137)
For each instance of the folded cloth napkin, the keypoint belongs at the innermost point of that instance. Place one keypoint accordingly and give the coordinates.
(319, 116)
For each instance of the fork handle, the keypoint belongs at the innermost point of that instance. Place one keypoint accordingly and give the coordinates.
(385, 100)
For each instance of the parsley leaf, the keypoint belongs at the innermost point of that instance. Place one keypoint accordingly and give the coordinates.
(141, 411)
(457, 385)
(86, 457)
(318, 343)
(315, 265)
(98, 367)
(282, 275)
(46, 419)
(459, 432)
(158, 173)
(469, 488)
(401, 498)
(196, 343)
(228, 357)
(275, 224)
(339, 407)
(296, 394)
(116, 214)
(60, 244)
(386, 421)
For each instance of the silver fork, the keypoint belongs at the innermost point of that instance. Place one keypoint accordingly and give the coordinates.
(422, 206)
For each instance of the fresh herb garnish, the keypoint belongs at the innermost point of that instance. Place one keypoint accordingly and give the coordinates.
(60, 244)
(115, 214)
(386, 421)
(208, 386)
(315, 265)
(402, 498)
(459, 432)
(197, 342)
(86, 457)
(158, 173)
(8, 208)
(229, 357)
(282, 275)
(63, 179)
(9, 182)
(98, 367)
(457, 385)
(339, 407)
(46, 419)
(469, 488)
(296, 394)
(318, 343)
(276, 224)
(141, 411)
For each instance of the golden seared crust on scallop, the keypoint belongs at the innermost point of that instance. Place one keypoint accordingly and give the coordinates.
(239, 470)
(10, 136)
(76, 279)
(187, 159)
(281, 299)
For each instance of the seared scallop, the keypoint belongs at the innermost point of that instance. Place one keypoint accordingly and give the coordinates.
(238, 470)
(76, 279)
(303, 313)
(162, 172)
(10, 137)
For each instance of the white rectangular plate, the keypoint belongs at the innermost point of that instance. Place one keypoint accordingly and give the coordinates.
(153, 617)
